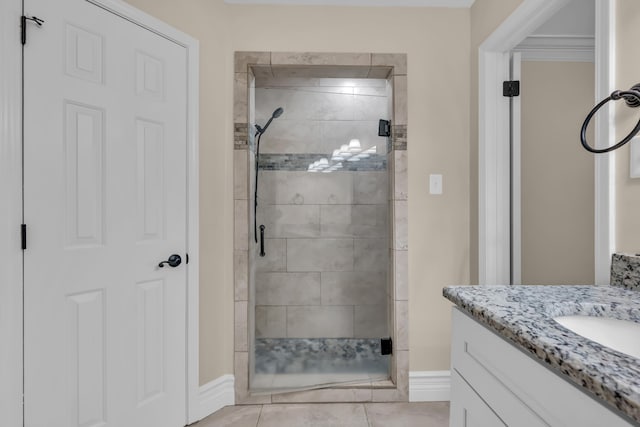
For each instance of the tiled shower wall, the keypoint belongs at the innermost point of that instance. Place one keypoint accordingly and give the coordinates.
(325, 272)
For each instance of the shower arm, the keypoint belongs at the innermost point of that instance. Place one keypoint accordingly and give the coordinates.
(276, 113)
(261, 130)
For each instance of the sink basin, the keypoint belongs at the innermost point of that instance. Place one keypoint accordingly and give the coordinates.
(620, 335)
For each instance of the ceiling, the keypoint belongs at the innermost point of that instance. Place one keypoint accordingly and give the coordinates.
(569, 35)
(374, 3)
(577, 18)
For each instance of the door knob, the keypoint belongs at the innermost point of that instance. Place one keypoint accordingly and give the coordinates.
(173, 261)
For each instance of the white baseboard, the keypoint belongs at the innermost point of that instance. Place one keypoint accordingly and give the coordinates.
(424, 386)
(429, 386)
(216, 395)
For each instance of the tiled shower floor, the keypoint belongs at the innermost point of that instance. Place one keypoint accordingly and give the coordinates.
(293, 363)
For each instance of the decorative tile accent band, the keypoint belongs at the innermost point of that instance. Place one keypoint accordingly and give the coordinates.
(320, 355)
(625, 271)
(240, 136)
(399, 135)
(301, 162)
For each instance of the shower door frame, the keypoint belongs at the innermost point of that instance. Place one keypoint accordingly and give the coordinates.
(392, 67)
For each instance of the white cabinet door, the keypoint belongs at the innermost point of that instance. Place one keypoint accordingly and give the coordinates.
(105, 202)
(520, 390)
(467, 408)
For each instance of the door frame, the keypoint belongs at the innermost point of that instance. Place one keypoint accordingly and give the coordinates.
(11, 275)
(10, 215)
(494, 251)
(516, 174)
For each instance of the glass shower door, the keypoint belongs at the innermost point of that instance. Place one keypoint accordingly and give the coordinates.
(320, 267)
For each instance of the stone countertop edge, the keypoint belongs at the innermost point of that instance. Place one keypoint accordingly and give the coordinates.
(524, 316)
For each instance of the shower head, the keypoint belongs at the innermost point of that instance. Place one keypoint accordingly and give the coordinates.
(276, 113)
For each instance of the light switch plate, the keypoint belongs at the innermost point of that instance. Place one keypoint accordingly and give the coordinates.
(634, 158)
(435, 184)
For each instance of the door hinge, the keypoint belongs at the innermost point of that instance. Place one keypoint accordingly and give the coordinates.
(23, 26)
(511, 88)
(23, 236)
(386, 346)
(384, 127)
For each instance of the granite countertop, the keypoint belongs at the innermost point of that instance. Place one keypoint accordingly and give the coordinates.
(524, 316)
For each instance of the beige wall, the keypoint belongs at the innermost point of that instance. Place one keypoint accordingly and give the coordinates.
(486, 16)
(627, 66)
(557, 174)
(437, 44)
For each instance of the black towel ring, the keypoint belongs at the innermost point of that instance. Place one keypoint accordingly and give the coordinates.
(632, 99)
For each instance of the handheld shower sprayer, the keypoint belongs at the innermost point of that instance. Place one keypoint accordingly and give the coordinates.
(259, 132)
(277, 113)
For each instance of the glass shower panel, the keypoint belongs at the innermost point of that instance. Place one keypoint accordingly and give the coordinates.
(321, 287)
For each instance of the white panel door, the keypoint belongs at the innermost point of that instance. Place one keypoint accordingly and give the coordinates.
(105, 203)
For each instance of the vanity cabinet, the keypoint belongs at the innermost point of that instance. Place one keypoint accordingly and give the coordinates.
(494, 383)
(470, 410)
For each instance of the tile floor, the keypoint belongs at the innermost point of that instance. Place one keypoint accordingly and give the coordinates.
(418, 414)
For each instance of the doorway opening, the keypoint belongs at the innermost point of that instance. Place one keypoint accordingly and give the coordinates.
(495, 246)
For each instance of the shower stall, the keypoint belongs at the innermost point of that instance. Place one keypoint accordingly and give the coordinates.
(321, 305)
(322, 213)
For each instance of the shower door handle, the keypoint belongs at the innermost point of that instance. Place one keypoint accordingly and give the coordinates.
(262, 253)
